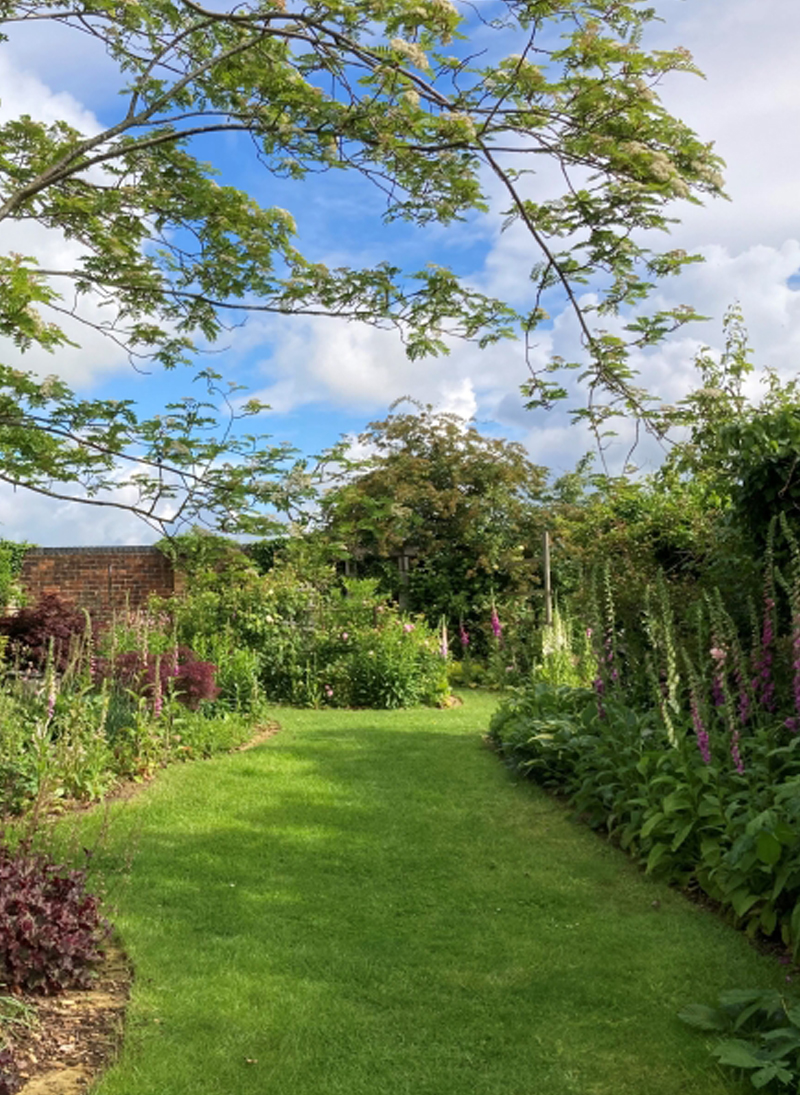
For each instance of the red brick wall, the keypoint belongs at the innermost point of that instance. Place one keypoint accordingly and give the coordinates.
(102, 579)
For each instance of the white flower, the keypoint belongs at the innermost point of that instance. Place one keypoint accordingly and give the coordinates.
(416, 54)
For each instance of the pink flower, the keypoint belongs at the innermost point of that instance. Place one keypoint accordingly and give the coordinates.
(51, 699)
(345, 636)
(497, 627)
(463, 635)
(408, 627)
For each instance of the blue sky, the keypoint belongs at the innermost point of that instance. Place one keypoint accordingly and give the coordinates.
(326, 378)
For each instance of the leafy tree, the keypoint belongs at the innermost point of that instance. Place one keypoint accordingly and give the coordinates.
(392, 90)
(703, 519)
(461, 506)
(742, 453)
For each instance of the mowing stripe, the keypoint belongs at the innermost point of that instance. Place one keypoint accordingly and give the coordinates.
(369, 903)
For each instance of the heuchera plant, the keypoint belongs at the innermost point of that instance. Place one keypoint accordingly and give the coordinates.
(51, 928)
(33, 631)
(10, 1079)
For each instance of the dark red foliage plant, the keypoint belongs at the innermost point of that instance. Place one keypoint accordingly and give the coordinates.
(32, 631)
(10, 1079)
(51, 927)
(180, 672)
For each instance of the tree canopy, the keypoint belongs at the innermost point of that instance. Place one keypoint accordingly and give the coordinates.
(392, 90)
(463, 506)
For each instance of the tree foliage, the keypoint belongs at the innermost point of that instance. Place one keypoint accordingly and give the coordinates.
(742, 452)
(462, 506)
(392, 90)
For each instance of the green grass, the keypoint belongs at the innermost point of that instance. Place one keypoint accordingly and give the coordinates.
(369, 904)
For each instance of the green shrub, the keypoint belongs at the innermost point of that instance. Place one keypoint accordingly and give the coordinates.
(195, 734)
(396, 663)
(728, 822)
(308, 640)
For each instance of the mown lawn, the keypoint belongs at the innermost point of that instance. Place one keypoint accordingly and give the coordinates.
(369, 903)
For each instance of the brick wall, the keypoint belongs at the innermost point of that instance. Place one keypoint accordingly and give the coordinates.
(102, 579)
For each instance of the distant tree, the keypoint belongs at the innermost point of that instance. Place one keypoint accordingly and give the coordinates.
(463, 508)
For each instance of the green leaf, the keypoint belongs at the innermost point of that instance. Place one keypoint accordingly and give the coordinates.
(704, 1018)
(785, 833)
(676, 800)
(710, 850)
(769, 919)
(657, 853)
(709, 806)
(768, 848)
(743, 900)
(651, 824)
(682, 835)
(738, 1054)
(777, 1070)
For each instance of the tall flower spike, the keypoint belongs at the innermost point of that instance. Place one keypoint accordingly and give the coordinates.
(444, 644)
(703, 740)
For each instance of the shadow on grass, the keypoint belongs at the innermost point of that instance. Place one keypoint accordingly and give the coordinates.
(359, 910)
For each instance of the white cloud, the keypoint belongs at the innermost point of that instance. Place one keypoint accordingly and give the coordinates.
(360, 368)
(94, 355)
(48, 522)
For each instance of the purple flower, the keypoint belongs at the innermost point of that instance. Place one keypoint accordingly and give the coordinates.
(463, 635)
(762, 683)
(599, 686)
(796, 658)
(717, 694)
(703, 743)
(735, 754)
(497, 627)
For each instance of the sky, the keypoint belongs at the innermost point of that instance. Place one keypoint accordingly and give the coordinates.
(325, 378)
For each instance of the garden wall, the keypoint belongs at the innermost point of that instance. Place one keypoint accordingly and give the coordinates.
(102, 579)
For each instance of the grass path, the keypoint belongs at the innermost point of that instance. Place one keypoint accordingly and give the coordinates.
(369, 905)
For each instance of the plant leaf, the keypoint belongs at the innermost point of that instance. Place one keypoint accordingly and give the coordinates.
(702, 1017)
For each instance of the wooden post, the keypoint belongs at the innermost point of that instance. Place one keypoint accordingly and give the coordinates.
(548, 592)
(403, 566)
